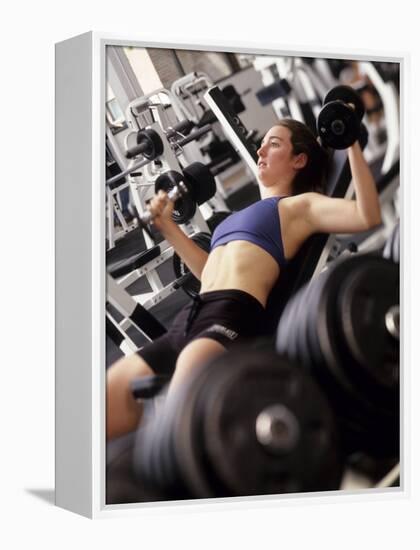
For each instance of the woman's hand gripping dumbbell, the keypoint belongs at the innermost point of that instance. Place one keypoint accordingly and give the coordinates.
(160, 208)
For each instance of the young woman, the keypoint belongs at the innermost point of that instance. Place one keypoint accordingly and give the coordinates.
(249, 250)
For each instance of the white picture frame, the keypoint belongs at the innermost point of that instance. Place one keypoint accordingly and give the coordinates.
(80, 271)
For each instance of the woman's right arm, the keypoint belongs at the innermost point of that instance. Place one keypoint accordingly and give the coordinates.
(194, 256)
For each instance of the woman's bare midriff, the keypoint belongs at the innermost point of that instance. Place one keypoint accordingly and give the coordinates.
(240, 265)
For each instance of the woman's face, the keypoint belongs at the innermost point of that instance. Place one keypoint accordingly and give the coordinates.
(276, 161)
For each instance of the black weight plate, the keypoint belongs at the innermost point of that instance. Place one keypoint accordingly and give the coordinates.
(331, 380)
(285, 328)
(168, 180)
(338, 125)
(293, 327)
(307, 353)
(298, 322)
(291, 320)
(368, 293)
(184, 211)
(201, 182)
(324, 323)
(348, 95)
(146, 451)
(363, 424)
(122, 486)
(161, 467)
(184, 207)
(282, 330)
(170, 477)
(165, 465)
(169, 446)
(304, 355)
(329, 376)
(158, 452)
(311, 337)
(156, 456)
(188, 458)
(327, 369)
(242, 386)
(153, 143)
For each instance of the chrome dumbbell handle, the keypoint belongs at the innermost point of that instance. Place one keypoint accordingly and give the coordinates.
(174, 194)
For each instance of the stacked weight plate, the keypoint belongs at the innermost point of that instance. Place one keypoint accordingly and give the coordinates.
(344, 328)
(249, 423)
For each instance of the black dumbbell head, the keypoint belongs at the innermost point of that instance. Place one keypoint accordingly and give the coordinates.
(347, 94)
(201, 182)
(185, 206)
(338, 125)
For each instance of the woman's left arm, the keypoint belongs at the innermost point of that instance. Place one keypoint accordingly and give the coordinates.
(328, 215)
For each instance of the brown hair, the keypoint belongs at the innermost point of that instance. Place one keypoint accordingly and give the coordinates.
(312, 176)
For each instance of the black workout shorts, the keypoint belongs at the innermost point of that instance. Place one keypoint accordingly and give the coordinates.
(230, 317)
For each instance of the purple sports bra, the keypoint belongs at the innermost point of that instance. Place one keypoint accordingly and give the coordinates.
(259, 223)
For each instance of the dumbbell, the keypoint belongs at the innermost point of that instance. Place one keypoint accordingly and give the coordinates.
(248, 423)
(344, 328)
(174, 194)
(200, 186)
(195, 185)
(339, 122)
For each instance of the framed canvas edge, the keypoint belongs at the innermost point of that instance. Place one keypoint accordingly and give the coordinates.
(98, 288)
